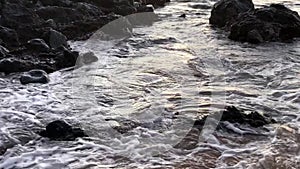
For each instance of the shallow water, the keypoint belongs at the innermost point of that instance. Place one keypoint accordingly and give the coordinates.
(159, 81)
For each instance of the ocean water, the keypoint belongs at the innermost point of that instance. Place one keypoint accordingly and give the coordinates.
(141, 98)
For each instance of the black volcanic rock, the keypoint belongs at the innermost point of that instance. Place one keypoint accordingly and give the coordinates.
(273, 23)
(34, 76)
(9, 37)
(61, 131)
(233, 115)
(24, 23)
(225, 12)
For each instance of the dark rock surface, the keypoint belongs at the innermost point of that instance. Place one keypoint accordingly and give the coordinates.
(225, 12)
(233, 115)
(36, 32)
(222, 121)
(61, 131)
(34, 76)
(273, 23)
(246, 24)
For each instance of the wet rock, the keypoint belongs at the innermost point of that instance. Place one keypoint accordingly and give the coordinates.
(55, 2)
(16, 13)
(11, 64)
(61, 131)
(34, 76)
(38, 45)
(201, 6)
(182, 16)
(3, 52)
(273, 23)
(9, 37)
(55, 39)
(25, 23)
(225, 12)
(233, 115)
(156, 3)
(86, 58)
(59, 14)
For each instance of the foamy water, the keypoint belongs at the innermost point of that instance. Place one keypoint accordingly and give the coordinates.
(140, 99)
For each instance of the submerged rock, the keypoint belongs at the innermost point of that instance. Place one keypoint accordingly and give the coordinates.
(34, 76)
(61, 131)
(225, 12)
(86, 58)
(224, 121)
(273, 23)
(233, 115)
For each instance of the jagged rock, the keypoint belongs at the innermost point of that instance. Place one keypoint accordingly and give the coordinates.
(16, 13)
(9, 37)
(86, 58)
(34, 76)
(233, 115)
(55, 39)
(273, 23)
(61, 131)
(3, 52)
(11, 64)
(225, 12)
(38, 45)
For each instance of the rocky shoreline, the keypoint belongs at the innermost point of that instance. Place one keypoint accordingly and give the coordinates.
(34, 34)
(246, 24)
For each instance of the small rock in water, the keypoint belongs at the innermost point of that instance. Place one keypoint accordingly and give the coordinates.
(61, 131)
(182, 16)
(86, 58)
(34, 76)
(233, 115)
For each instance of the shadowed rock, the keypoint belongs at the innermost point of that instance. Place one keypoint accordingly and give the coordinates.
(34, 76)
(61, 131)
(273, 23)
(230, 115)
(225, 12)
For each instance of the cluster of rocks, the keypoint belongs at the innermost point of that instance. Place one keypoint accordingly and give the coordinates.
(34, 33)
(247, 24)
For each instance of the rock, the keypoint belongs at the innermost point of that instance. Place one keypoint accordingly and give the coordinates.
(34, 76)
(55, 39)
(61, 131)
(16, 13)
(9, 37)
(86, 58)
(38, 45)
(225, 12)
(59, 14)
(233, 115)
(3, 52)
(156, 3)
(63, 3)
(11, 64)
(273, 23)
(25, 23)
(182, 16)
